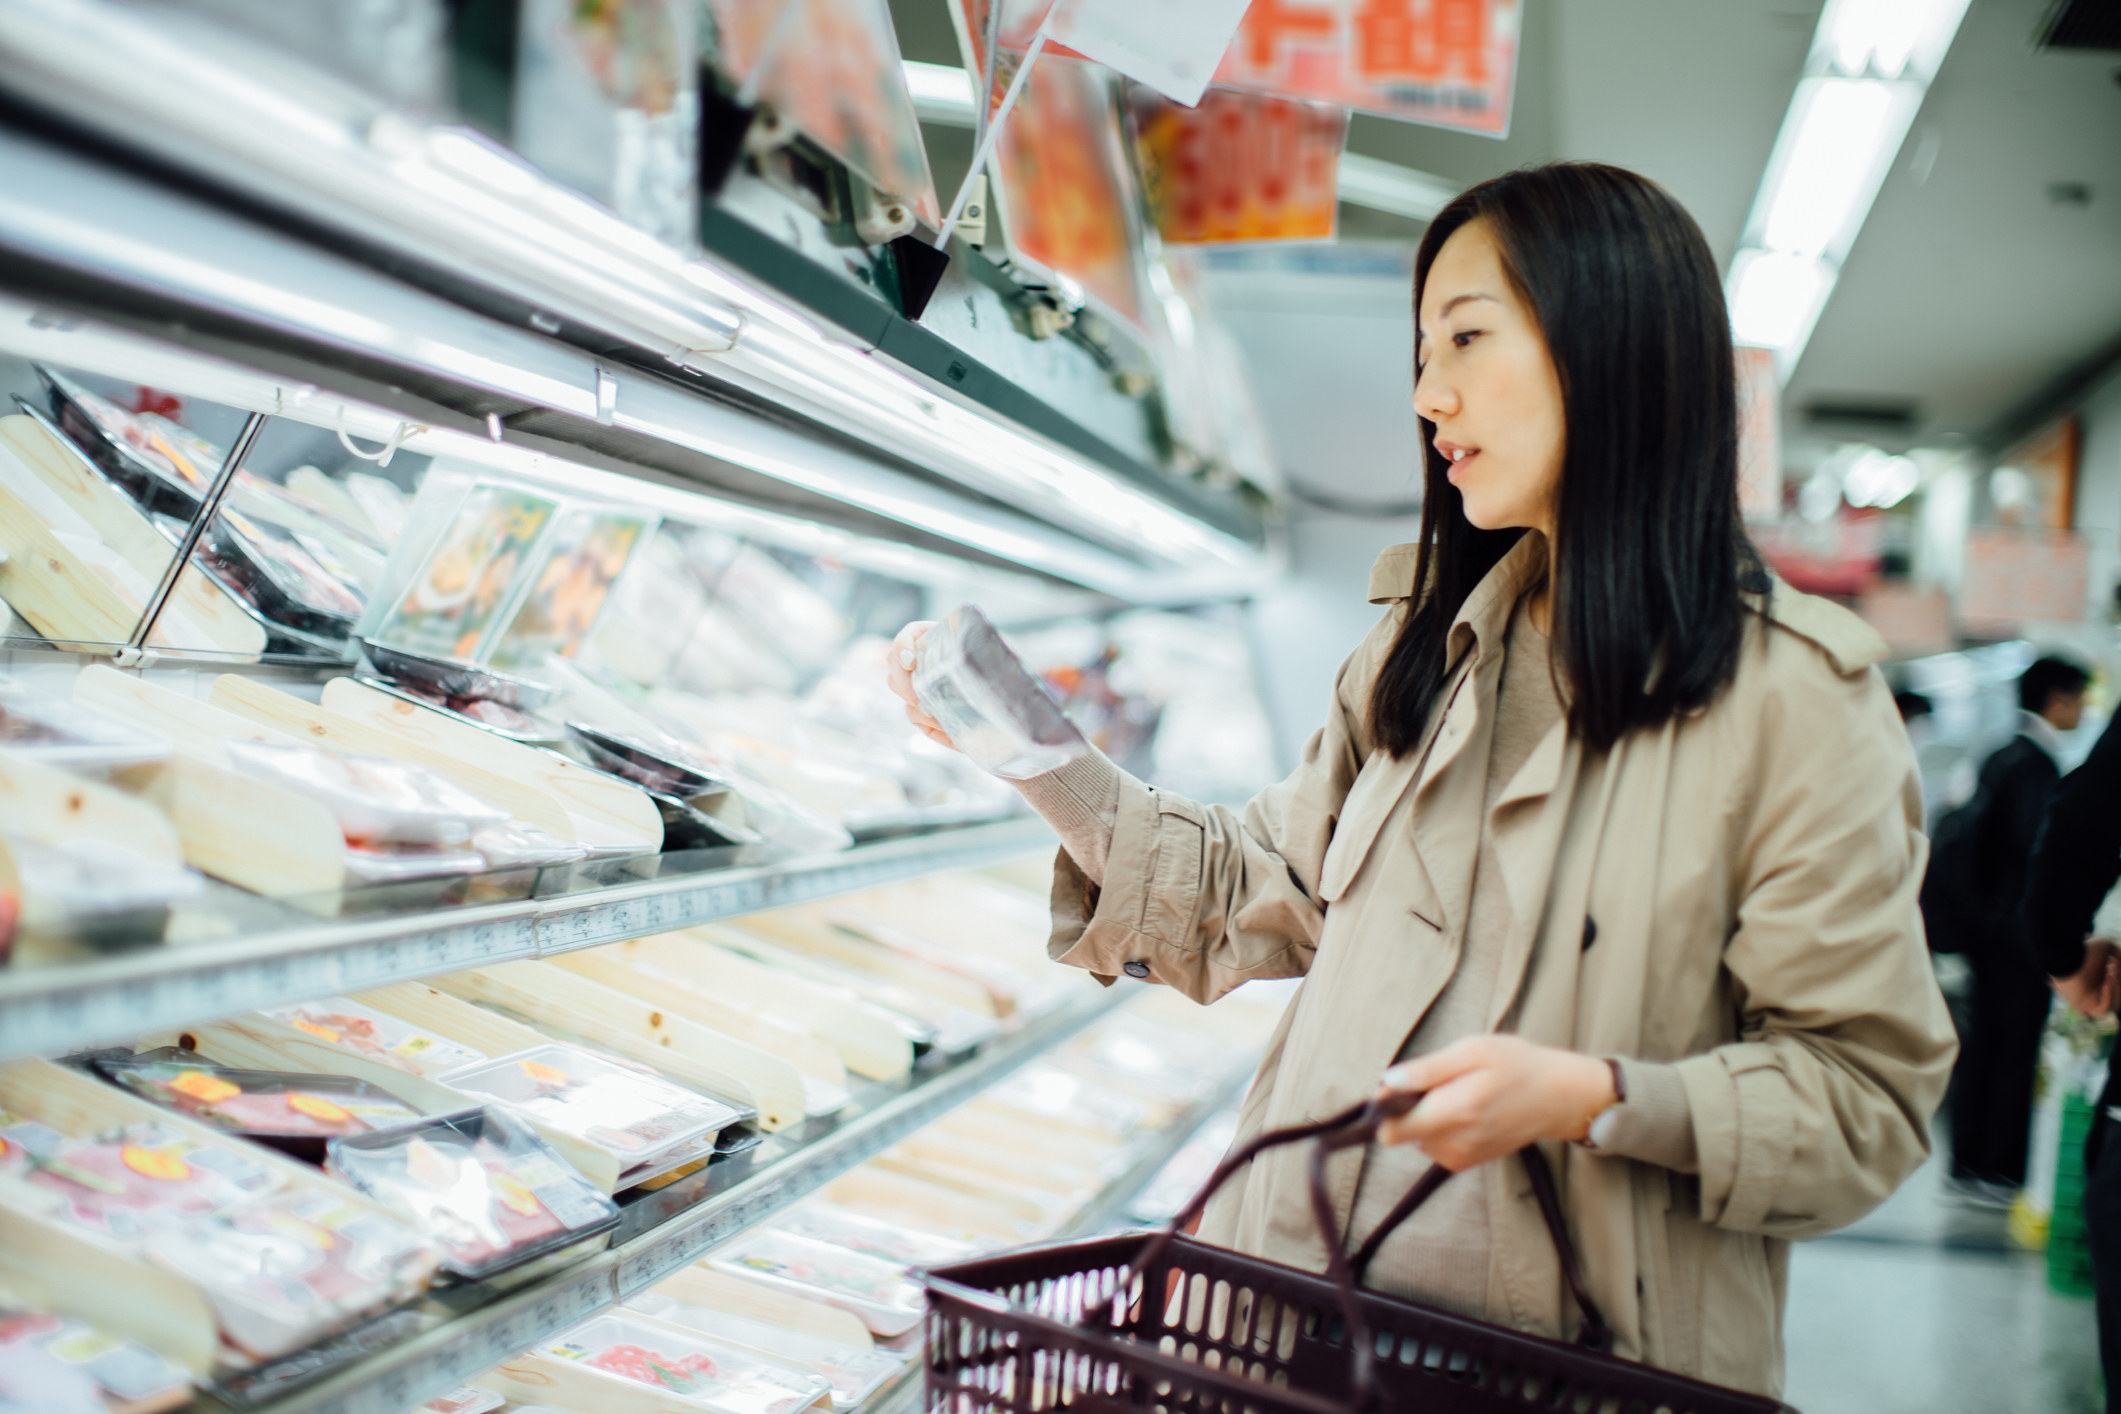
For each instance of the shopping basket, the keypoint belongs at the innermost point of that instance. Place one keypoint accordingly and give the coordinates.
(1071, 1324)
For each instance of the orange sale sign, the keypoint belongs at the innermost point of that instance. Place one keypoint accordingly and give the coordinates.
(1240, 167)
(1449, 63)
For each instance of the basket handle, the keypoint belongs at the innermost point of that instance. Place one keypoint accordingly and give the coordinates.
(1358, 1124)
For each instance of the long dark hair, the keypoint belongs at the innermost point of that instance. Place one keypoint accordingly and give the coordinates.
(1651, 553)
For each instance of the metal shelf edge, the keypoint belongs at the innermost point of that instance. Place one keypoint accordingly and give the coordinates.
(55, 1009)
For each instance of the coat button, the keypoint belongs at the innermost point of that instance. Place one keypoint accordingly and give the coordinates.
(1135, 969)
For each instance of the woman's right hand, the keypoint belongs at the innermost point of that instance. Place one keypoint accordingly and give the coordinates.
(905, 651)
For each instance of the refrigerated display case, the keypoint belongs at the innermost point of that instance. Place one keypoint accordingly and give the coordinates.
(442, 641)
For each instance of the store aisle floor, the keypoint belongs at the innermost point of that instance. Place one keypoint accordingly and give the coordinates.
(1928, 1307)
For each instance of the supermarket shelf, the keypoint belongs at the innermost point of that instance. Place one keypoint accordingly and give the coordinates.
(441, 215)
(1109, 1210)
(280, 956)
(750, 1189)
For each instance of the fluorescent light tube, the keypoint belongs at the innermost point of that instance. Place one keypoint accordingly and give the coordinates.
(1843, 129)
(1776, 297)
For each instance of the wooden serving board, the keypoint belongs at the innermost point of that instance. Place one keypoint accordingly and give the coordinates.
(702, 1286)
(608, 813)
(46, 806)
(207, 608)
(686, 1051)
(254, 834)
(53, 1266)
(918, 1203)
(808, 1053)
(868, 1043)
(319, 726)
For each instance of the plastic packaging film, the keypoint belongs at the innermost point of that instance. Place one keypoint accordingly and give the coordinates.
(995, 711)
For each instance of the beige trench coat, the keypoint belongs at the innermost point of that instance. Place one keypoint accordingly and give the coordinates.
(1733, 892)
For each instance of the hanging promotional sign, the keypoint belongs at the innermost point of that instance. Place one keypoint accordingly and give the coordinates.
(1063, 191)
(832, 68)
(1170, 45)
(1240, 167)
(1448, 63)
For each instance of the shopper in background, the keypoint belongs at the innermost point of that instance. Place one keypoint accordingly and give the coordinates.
(1982, 852)
(2076, 859)
(1609, 841)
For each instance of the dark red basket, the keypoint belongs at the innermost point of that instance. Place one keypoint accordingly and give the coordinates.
(1027, 1331)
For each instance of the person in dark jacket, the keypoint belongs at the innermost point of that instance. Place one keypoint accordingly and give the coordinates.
(1992, 1096)
(2076, 859)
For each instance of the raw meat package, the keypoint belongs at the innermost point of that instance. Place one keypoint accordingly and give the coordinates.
(64, 733)
(992, 708)
(479, 1182)
(282, 1263)
(877, 1291)
(637, 1116)
(464, 1399)
(872, 1237)
(704, 1373)
(855, 1372)
(293, 1113)
(58, 1366)
(455, 683)
(376, 800)
(364, 1031)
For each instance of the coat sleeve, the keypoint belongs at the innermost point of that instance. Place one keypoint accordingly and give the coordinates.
(1821, 1106)
(1207, 897)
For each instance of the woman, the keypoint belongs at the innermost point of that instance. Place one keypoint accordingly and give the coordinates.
(1609, 841)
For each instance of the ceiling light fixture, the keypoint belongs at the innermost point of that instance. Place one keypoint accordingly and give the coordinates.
(1871, 61)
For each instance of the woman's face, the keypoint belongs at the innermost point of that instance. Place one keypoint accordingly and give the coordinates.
(1486, 385)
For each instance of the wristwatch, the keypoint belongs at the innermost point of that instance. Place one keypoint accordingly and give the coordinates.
(1601, 1128)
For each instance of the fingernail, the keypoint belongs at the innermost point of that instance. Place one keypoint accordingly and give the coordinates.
(1397, 1075)
(906, 659)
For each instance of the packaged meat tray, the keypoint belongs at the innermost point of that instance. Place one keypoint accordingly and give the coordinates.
(67, 734)
(377, 801)
(496, 717)
(294, 1113)
(663, 766)
(54, 1365)
(162, 465)
(464, 1399)
(288, 1269)
(988, 704)
(364, 1031)
(279, 578)
(129, 1184)
(877, 1291)
(872, 1237)
(855, 1372)
(452, 679)
(705, 1374)
(479, 1182)
(629, 1113)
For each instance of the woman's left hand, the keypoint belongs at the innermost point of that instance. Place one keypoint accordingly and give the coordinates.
(1488, 1096)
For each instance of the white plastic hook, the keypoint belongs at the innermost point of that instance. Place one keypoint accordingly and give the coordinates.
(381, 456)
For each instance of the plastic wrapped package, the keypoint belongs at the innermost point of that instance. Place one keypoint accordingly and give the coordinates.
(702, 1373)
(453, 680)
(872, 1237)
(400, 864)
(60, 732)
(364, 1031)
(464, 1399)
(281, 1264)
(877, 1291)
(161, 464)
(482, 1184)
(518, 845)
(994, 711)
(95, 889)
(294, 1113)
(632, 1114)
(375, 799)
(278, 577)
(854, 1372)
(52, 1365)
(292, 1267)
